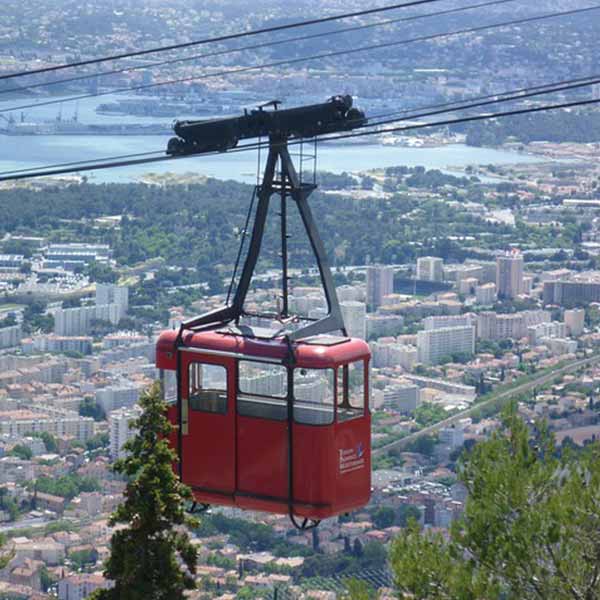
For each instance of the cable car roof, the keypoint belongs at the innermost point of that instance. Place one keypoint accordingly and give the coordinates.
(315, 353)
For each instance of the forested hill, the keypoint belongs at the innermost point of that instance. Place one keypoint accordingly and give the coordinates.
(198, 225)
(554, 126)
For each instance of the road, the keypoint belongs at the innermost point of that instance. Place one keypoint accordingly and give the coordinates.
(515, 391)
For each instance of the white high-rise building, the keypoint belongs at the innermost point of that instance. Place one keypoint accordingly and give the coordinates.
(383, 325)
(10, 336)
(118, 396)
(453, 436)
(107, 293)
(403, 397)
(443, 321)
(380, 283)
(78, 321)
(355, 318)
(575, 321)
(430, 268)
(554, 329)
(509, 274)
(120, 432)
(351, 292)
(435, 344)
(485, 294)
(499, 326)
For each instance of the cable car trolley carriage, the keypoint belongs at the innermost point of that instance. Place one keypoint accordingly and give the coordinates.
(267, 419)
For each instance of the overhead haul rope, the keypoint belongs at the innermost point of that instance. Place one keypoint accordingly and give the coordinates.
(322, 56)
(228, 51)
(85, 166)
(220, 38)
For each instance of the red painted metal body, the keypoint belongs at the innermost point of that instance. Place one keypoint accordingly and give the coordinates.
(233, 459)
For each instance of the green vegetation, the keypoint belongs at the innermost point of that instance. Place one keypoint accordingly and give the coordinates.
(152, 555)
(424, 444)
(250, 537)
(352, 561)
(21, 451)
(531, 528)
(34, 318)
(90, 408)
(419, 177)
(385, 516)
(50, 442)
(428, 414)
(8, 504)
(100, 440)
(83, 558)
(359, 590)
(558, 126)
(46, 579)
(66, 486)
(196, 227)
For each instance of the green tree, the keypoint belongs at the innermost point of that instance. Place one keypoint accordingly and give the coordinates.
(46, 579)
(531, 527)
(21, 451)
(358, 590)
(407, 512)
(383, 517)
(88, 407)
(50, 442)
(424, 444)
(152, 557)
(100, 440)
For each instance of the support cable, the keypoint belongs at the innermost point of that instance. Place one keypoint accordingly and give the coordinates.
(315, 57)
(220, 38)
(226, 52)
(63, 168)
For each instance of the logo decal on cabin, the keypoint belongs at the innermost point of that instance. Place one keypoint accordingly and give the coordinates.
(351, 459)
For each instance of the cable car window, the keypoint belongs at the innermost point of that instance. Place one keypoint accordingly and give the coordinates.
(351, 391)
(262, 390)
(313, 396)
(208, 388)
(168, 381)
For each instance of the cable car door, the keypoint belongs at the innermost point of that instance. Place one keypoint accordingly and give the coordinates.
(208, 423)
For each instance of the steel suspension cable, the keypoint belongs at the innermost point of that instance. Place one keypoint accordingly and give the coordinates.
(255, 46)
(489, 116)
(220, 38)
(321, 56)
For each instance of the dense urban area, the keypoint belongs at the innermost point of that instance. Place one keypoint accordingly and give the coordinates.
(473, 284)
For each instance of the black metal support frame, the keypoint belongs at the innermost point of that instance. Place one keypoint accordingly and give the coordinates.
(289, 186)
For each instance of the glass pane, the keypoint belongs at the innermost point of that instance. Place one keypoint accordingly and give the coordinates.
(169, 386)
(313, 396)
(351, 391)
(262, 390)
(208, 388)
(263, 379)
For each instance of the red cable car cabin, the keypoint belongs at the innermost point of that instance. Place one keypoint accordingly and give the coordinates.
(255, 433)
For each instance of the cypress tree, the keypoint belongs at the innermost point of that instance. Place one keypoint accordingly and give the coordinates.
(152, 556)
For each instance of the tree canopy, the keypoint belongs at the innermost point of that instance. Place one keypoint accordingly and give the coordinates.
(152, 556)
(531, 527)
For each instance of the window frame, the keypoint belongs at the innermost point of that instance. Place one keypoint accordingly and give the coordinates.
(189, 398)
(357, 412)
(295, 401)
(282, 401)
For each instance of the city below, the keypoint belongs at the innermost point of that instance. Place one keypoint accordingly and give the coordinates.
(463, 244)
